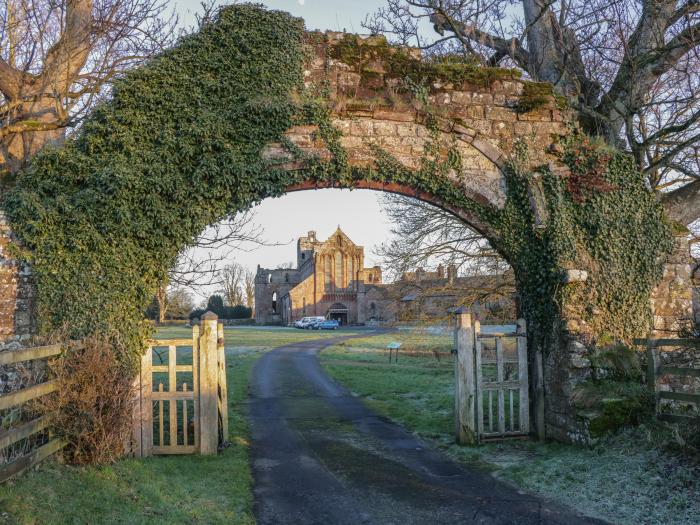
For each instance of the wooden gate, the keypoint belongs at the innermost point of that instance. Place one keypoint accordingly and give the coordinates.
(181, 405)
(491, 382)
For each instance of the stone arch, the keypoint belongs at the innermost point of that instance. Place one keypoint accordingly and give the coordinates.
(312, 110)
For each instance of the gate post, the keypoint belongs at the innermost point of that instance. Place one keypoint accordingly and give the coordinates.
(145, 406)
(222, 391)
(465, 391)
(208, 385)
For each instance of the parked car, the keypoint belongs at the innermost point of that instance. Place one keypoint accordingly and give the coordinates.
(303, 322)
(328, 324)
(311, 325)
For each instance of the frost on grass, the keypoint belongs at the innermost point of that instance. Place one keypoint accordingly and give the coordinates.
(629, 478)
(626, 479)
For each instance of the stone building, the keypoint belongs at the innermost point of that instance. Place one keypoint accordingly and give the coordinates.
(330, 280)
(431, 297)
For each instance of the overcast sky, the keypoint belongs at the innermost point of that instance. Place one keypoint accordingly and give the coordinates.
(357, 212)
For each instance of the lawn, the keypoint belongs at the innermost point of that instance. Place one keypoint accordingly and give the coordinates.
(166, 489)
(628, 478)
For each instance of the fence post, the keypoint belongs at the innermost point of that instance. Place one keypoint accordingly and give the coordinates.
(652, 365)
(146, 404)
(208, 385)
(465, 391)
(222, 390)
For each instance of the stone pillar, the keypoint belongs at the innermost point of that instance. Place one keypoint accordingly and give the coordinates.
(672, 299)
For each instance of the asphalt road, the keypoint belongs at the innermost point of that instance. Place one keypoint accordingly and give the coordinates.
(321, 457)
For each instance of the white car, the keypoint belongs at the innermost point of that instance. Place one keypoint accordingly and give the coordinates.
(304, 322)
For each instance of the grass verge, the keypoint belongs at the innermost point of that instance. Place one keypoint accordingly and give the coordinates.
(628, 478)
(165, 489)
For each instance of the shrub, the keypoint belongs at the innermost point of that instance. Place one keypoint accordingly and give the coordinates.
(92, 408)
(224, 312)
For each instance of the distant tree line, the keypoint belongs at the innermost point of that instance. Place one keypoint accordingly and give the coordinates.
(216, 305)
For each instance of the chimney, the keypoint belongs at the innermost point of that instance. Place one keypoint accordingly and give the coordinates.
(451, 273)
(441, 272)
(419, 274)
(312, 236)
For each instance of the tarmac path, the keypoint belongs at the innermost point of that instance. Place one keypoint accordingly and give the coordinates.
(320, 456)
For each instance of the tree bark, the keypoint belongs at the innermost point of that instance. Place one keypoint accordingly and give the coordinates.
(34, 113)
(162, 300)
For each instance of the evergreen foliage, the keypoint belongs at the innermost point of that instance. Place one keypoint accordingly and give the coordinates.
(178, 147)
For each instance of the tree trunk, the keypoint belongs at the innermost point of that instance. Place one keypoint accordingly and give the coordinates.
(548, 48)
(32, 126)
(162, 299)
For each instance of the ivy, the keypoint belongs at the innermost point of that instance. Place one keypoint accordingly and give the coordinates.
(103, 217)
(601, 219)
(179, 146)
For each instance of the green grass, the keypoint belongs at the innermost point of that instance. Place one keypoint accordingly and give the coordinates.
(237, 337)
(165, 489)
(410, 342)
(628, 478)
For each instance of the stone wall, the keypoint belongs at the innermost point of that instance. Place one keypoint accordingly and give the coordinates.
(672, 299)
(481, 120)
(16, 294)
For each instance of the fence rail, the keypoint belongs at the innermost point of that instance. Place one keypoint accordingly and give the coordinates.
(655, 369)
(30, 428)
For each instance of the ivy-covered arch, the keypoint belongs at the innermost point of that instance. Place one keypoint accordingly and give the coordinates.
(185, 141)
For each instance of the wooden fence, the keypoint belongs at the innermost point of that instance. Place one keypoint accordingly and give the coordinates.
(656, 369)
(18, 399)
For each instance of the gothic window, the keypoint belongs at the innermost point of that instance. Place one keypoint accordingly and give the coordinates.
(274, 302)
(339, 271)
(327, 269)
(352, 273)
(269, 277)
(286, 277)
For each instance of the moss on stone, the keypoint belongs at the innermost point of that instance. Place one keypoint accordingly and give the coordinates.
(367, 53)
(609, 405)
(534, 96)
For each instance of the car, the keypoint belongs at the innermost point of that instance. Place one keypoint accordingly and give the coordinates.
(313, 321)
(328, 324)
(303, 322)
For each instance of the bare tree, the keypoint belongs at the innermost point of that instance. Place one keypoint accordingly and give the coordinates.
(249, 288)
(199, 264)
(57, 58)
(629, 67)
(233, 280)
(426, 236)
(469, 271)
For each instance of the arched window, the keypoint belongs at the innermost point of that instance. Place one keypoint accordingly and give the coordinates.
(274, 302)
(303, 308)
(353, 275)
(372, 310)
(339, 284)
(286, 277)
(327, 276)
(303, 256)
(269, 277)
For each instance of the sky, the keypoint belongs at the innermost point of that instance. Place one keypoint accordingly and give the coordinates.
(285, 219)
